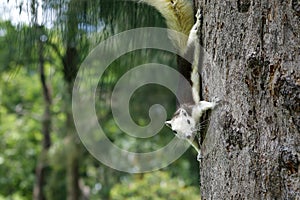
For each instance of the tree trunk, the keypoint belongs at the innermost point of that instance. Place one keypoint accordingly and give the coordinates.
(71, 62)
(41, 168)
(72, 144)
(252, 146)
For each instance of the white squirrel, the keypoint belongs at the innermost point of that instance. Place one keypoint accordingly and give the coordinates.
(179, 17)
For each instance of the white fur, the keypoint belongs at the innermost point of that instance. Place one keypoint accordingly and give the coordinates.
(179, 17)
(193, 39)
(182, 125)
(201, 107)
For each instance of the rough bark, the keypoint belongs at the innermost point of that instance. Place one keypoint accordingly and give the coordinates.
(252, 146)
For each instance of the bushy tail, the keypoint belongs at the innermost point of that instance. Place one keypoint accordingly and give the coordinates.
(179, 17)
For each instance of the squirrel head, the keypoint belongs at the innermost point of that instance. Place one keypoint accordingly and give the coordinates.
(182, 124)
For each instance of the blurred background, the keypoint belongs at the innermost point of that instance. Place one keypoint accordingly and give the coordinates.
(42, 44)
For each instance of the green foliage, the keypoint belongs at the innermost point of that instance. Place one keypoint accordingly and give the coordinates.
(56, 187)
(19, 132)
(156, 185)
(16, 46)
(78, 24)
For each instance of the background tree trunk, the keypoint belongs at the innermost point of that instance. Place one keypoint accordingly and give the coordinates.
(42, 165)
(252, 147)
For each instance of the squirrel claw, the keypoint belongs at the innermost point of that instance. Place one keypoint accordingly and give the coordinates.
(198, 14)
(216, 100)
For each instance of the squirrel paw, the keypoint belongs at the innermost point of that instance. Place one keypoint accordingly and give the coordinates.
(198, 22)
(198, 14)
(216, 100)
(199, 157)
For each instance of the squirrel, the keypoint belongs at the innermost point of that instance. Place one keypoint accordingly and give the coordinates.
(179, 17)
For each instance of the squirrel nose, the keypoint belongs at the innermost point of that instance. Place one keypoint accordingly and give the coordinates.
(168, 123)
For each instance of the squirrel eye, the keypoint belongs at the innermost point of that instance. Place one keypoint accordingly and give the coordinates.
(175, 132)
(183, 112)
(188, 121)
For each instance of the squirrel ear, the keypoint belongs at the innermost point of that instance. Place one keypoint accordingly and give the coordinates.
(168, 124)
